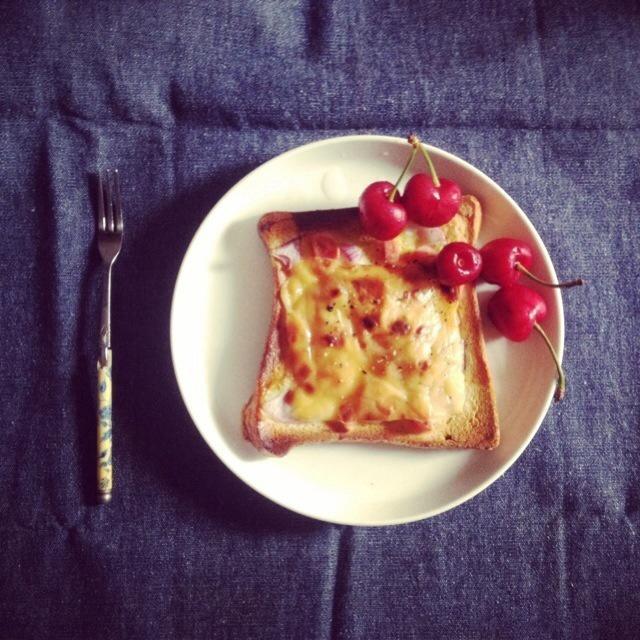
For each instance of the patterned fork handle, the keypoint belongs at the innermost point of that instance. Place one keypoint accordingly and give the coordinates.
(105, 463)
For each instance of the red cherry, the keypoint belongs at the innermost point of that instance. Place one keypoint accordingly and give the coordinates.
(381, 217)
(380, 214)
(504, 259)
(500, 258)
(429, 202)
(515, 311)
(458, 263)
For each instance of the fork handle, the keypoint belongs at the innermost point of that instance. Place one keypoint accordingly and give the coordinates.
(105, 461)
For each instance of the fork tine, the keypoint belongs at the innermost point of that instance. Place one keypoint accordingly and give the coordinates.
(109, 205)
(117, 202)
(102, 225)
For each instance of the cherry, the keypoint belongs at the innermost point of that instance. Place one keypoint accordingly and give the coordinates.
(430, 204)
(380, 215)
(504, 259)
(515, 311)
(458, 263)
(429, 200)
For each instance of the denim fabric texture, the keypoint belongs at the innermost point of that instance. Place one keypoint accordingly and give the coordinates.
(186, 97)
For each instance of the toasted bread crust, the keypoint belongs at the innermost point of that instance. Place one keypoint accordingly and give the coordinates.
(475, 427)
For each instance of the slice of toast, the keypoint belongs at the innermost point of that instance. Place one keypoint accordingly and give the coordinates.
(364, 344)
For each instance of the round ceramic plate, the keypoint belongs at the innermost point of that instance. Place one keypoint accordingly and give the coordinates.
(219, 321)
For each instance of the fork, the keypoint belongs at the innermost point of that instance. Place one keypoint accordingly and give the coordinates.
(110, 232)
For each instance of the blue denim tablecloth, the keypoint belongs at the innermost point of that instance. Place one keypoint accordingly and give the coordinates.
(188, 96)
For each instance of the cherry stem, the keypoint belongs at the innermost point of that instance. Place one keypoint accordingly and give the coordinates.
(561, 387)
(408, 163)
(558, 285)
(427, 157)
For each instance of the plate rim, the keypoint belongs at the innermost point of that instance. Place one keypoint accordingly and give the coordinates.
(556, 293)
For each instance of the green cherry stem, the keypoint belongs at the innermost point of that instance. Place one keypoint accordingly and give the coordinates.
(432, 169)
(561, 387)
(558, 285)
(409, 162)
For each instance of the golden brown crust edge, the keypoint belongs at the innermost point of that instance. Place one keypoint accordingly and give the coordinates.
(278, 228)
(485, 426)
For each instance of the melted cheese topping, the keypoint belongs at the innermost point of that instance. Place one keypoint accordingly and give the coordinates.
(362, 342)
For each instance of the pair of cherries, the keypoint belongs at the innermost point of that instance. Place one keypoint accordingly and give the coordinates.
(500, 262)
(515, 310)
(427, 200)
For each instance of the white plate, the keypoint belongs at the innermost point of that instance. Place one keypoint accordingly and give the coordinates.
(219, 320)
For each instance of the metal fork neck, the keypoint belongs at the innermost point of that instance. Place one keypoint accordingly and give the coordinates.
(105, 318)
